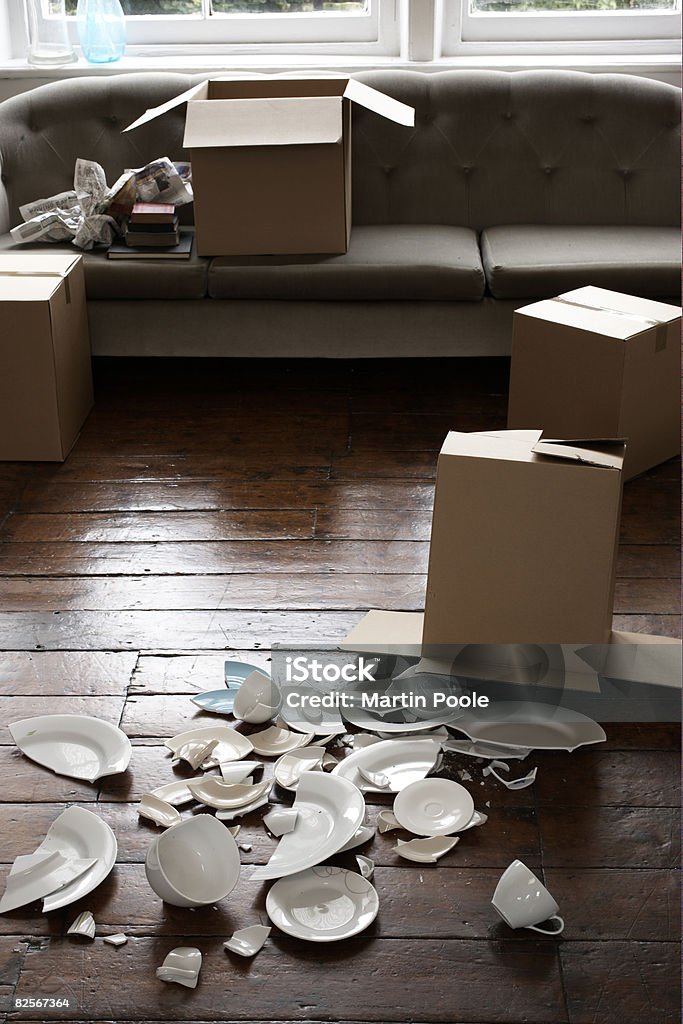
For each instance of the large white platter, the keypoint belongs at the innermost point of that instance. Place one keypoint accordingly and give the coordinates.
(401, 761)
(330, 811)
(81, 834)
(530, 724)
(322, 904)
(79, 746)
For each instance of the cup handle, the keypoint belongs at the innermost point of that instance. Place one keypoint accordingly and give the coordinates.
(547, 931)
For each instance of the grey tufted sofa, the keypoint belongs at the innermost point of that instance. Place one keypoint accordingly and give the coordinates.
(512, 186)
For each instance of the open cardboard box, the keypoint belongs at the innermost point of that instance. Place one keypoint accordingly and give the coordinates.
(597, 363)
(46, 388)
(271, 161)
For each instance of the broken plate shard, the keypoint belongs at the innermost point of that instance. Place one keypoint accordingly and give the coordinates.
(281, 820)
(365, 866)
(522, 783)
(238, 771)
(226, 796)
(273, 741)
(364, 834)
(248, 941)
(387, 821)
(182, 966)
(84, 925)
(119, 939)
(76, 833)
(240, 812)
(40, 874)
(426, 851)
(288, 769)
(229, 744)
(78, 746)
(158, 811)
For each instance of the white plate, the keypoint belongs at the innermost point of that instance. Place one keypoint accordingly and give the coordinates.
(231, 745)
(82, 834)
(323, 904)
(331, 810)
(75, 745)
(401, 761)
(288, 769)
(434, 807)
(528, 724)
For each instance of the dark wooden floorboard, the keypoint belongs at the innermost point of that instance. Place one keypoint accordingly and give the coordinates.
(214, 508)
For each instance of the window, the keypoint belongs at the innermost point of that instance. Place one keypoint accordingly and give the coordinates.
(293, 26)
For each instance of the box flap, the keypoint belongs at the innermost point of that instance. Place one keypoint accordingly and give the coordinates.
(382, 632)
(608, 454)
(151, 113)
(381, 104)
(32, 264)
(618, 302)
(525, 445)
(300, 120)
(603, 312)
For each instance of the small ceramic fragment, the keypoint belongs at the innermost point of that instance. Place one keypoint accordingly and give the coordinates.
(158, 811)
(120, 939)
(238, 771)
(195, 752)
(182, 966)
(281, 820)
(366, 866)
(523, 783)
(84, 925)
(364, 834)
(387, 821)
(248, 941)
(426, 851)
(239, 812)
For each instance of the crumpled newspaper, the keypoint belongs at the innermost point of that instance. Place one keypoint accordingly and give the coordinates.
(92, 213)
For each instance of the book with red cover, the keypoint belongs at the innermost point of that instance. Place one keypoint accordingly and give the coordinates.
(152, 213)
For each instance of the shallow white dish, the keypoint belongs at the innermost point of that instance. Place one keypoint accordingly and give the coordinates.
(330, 811)
(226, 796)
(37, 875)
(288, 769)
(322, 904)
(193, 864)
(273, 742)
(230, 744)
(400, 761)
(530, 724)
(433, 807)
(78, 746)
(79, 833)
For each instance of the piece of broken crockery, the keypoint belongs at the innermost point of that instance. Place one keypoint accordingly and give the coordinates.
(40, 874)
(521, 783)
(182, 966)
(281, 820)
(78, 833)
(241, 812)
(84, 925)
(78, 746)
(194, 863)
(216, 702)
(119, 939)
(175, 793)
(248, 941)
(425, 851)
(364, 834)
(287, 769)
(478, 818)
(273, 741)
(387, 822)
(158, 811)
(365, 866)
(258, 699)
(225, 796)
(227, 744)
(376, 779)
(195, 752)
(238, 771)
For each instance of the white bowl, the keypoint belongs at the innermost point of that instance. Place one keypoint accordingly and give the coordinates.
(194, 863)
(257, 700)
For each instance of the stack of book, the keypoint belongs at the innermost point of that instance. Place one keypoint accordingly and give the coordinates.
(152, 232)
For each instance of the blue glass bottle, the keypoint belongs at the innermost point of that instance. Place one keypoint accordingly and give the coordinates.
(101, 30)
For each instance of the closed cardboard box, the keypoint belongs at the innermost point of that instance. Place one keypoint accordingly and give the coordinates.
(596, 363)
(271, 161)
(524, 539)
(46, 387)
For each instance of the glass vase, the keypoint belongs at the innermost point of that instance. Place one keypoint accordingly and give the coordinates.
(101, 30)
(48, 36)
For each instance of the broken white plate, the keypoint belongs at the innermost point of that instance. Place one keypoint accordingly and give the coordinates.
(402, 762)
(281, 820)
(230, 745)
(182, 966)
(78, 833)
(518, 723)
(364, 834)
(426, 851)
(365, 866)
(84, 925)
(434, 807)
(521, 783)
(195, 752)
(248, 941)
(78, 746)
(226, 796)
(387, 822)
(238, 771)
(287, 770)
(176, 793)
(331, 811)
(119, 939)
(273, 741)
(194, 863)
(158, 811)
(217, 702)
(478, 818)
(323, 904)
(486, 750)
(258, 699)
(241, 812)
(364, 739)
(37, 875)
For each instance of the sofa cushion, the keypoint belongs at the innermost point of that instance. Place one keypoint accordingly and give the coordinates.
(384, 262)
(536, 261)
(131, 279)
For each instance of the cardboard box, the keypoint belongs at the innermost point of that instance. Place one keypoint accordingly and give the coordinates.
(271, 161)
(596, 363)
(524, 540)
(46, 387)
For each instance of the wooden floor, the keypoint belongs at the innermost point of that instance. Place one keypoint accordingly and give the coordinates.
(212, 507)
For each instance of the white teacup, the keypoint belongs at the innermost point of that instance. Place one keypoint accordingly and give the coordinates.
(524, 902)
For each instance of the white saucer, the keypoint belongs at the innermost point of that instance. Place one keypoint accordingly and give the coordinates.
(323, 904)
(517, 723)
(434, 807)
(78, 746)
(331, 811)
